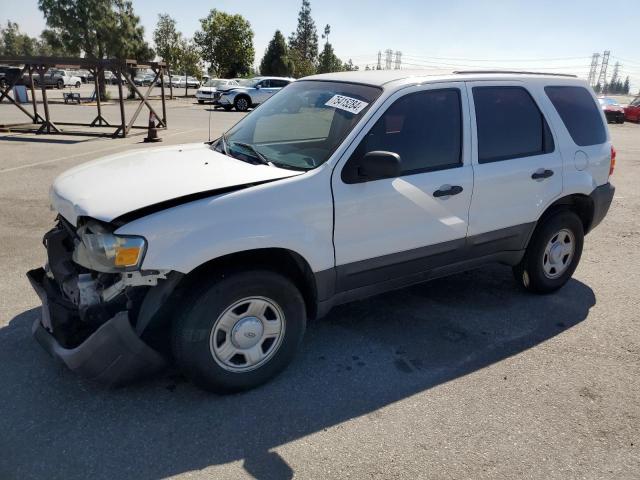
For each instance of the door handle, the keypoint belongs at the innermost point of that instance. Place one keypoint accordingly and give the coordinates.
(541, 174)
(447, 191)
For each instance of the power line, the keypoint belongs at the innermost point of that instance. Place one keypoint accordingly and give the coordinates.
(538, 59)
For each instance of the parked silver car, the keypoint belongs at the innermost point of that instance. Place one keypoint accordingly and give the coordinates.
(252, 92)
(211, 90)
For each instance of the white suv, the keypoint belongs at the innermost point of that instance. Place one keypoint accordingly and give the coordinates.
(341, 186)
(252, 92)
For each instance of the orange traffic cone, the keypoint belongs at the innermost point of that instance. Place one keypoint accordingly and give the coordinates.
(152, 132)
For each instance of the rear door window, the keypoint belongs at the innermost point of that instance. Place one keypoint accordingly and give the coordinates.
(580, 114)
(279, 83)
(509, 124)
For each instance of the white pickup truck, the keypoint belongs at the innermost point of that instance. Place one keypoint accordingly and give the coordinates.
(59, 79)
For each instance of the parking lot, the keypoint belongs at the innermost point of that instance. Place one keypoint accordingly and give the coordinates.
(464, 377)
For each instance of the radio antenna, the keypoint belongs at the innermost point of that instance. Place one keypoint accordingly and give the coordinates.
(210, 108)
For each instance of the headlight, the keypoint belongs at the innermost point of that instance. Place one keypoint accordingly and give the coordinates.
(103, 251)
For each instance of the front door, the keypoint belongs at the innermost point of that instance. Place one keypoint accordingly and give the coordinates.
(397, 227)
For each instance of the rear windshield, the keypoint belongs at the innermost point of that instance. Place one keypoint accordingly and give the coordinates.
(579, 113)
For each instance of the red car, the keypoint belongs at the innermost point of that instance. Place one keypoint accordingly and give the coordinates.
(632, 111)
(612, 110)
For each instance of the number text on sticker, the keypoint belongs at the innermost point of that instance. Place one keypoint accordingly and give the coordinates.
(348, 104)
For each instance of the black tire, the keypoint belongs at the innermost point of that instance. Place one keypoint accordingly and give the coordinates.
(78, 84)
(60, 84)
(530, 272)
(242, 103)
(192, 330)
(227, 108)
(201, 102)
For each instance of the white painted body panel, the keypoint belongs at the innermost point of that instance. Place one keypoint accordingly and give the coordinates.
(112, 186)
(585, 167)
(297, 212)
(397, 214)
(504, 193)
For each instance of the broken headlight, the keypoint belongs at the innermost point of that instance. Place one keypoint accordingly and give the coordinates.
(101, 250)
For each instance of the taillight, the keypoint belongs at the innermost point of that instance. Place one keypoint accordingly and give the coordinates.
(612, 165)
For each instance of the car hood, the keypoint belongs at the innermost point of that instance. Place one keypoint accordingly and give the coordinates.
(137, 180)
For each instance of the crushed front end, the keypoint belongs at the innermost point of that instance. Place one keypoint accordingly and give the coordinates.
(94, 316)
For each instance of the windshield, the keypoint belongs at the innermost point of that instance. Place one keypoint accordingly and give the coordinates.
(301, 125)
(607, 101)
(215, 83)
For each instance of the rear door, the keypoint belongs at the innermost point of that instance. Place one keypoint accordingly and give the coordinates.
(517, 167)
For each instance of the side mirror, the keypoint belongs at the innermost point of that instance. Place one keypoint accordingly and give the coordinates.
(374, 165)
(258, 87)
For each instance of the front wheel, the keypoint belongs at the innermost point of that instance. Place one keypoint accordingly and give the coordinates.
(201, 102)
(239, 331)
(60, 84)
(241, 104)
(553, 253)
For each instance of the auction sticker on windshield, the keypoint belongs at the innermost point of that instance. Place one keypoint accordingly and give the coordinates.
(348, 104)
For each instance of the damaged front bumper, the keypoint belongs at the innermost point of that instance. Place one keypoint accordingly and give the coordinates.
(113, 355)
(94, 323)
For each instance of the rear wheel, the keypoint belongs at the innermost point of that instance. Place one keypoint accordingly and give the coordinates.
(240, 331)
(60, 84)
(553, 253)
(77, 84)
(200, 102)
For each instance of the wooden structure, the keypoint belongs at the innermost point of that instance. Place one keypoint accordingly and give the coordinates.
(121, 69)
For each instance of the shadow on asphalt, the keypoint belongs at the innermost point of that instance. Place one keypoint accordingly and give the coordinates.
(360, 358)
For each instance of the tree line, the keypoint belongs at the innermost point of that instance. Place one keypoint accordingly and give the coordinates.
(224, 42)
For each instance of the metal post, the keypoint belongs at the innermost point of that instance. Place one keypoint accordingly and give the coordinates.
(43, 86)
(123, 123)
(164, 107)
(96, 84)
(33, 96)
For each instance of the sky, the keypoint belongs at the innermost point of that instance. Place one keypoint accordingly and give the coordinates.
(544, 35)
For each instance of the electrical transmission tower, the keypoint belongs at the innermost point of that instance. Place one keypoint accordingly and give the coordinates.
(379, 66)
(398, 60)
(593, 69)
(388, 53)
(602, 78)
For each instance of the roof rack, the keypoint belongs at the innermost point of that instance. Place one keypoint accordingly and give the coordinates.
(521, 72)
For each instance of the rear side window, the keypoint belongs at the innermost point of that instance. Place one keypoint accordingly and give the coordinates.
(509, 124)
(279, 83)
(580, 114)
(424, 128)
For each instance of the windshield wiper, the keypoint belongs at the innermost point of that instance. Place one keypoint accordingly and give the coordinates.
(261, 158)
